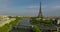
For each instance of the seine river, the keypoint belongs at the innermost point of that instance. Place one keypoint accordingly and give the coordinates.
(25, 21)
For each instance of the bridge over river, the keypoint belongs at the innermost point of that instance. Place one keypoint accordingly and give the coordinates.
(22, 26)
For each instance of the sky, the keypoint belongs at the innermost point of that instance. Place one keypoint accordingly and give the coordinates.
(29, 7)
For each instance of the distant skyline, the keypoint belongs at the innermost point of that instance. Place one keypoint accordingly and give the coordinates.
(29, 7)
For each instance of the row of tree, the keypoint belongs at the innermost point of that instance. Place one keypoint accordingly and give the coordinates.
(34, 21)
(36, 29)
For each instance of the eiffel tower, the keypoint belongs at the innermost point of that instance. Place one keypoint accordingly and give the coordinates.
(40, 11)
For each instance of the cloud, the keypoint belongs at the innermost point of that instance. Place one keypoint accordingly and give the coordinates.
(48, 10)
(36, 6)
(33, 6)
(52, 10)
(56, 7)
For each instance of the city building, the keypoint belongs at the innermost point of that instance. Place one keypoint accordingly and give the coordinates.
(5, 19)
(58, 21)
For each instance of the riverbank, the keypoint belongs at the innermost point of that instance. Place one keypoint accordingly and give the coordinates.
(8, 26)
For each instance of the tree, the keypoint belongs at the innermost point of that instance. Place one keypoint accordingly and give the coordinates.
(36, 29)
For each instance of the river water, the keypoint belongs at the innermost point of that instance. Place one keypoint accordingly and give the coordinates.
(26, 22)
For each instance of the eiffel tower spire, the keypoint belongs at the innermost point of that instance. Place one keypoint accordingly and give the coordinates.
(40, 11)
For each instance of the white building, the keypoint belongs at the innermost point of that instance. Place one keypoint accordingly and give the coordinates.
(5, 19)
(58, 21)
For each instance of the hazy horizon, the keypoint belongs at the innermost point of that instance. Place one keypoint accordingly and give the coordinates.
(29, 7)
